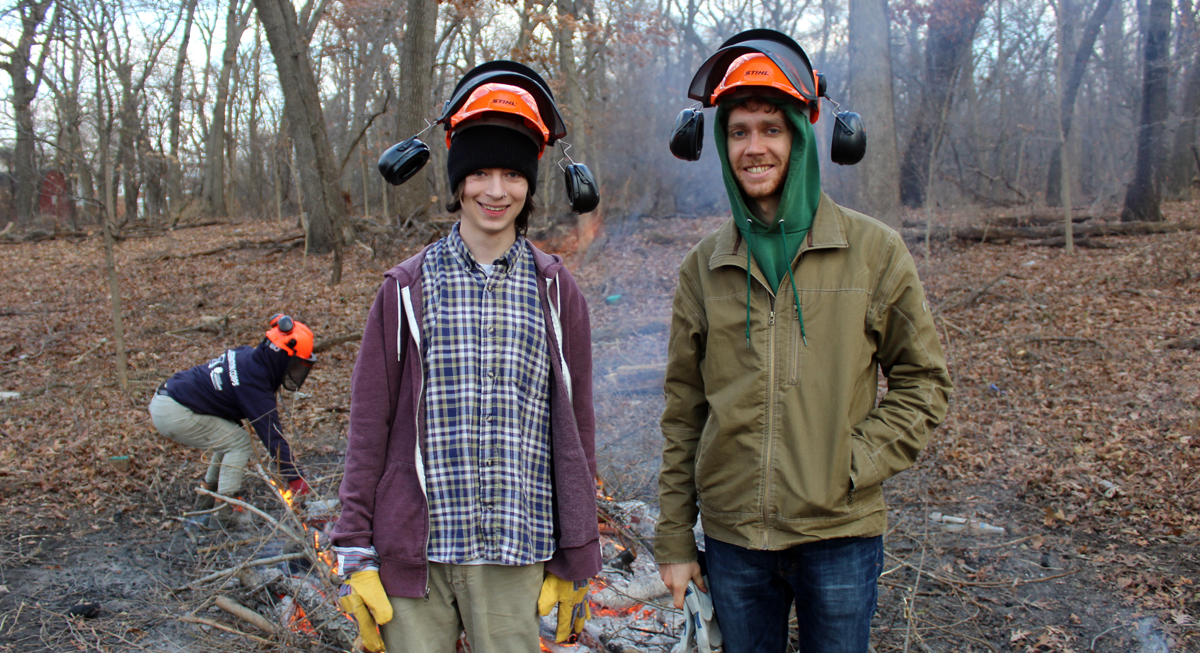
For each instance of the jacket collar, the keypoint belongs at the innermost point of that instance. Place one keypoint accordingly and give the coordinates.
(828, 232)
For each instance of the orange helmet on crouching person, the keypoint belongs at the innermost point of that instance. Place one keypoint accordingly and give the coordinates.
(295, 339)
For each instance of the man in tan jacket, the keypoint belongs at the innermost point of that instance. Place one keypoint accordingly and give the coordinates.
(782, 319)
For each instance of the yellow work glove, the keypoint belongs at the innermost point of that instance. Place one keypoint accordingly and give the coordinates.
(363, 598)
(571, 599)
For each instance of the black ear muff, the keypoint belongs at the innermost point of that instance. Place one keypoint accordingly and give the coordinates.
(403, 160)
(849, 139)
(821, 83)
(688, 136)
(582, 192)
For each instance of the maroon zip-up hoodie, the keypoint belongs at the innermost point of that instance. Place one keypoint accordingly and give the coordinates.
(383, 496)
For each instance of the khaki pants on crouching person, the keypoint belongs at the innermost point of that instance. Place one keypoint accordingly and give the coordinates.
(495, 604)
(228, 441)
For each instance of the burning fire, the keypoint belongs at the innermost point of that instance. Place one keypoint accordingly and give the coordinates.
(298, 620)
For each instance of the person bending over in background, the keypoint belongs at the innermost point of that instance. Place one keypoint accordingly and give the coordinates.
(203, 407)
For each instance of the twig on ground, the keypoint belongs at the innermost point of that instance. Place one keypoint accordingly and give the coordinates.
(228, 629)
(79, 359)
(260, 562)
(1103, 633)
(245, 614)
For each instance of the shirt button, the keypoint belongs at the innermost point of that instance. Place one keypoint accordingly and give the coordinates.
(491, 331)
(492, 374)
(487, 418)
(489, 462)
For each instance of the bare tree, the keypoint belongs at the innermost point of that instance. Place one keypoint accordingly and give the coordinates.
(1076, 63)
(1184, 164)
(416, 78)
(878, 176)
(174, 114)
(952, 25)
(17, 62)
(1143, 198)
(289, 35)
(236, 20)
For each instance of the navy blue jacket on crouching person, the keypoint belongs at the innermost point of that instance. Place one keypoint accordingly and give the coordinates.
(241, 384)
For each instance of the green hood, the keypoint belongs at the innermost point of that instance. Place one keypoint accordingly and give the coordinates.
(775, 246)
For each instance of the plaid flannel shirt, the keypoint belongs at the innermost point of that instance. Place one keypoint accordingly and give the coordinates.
(487, 408)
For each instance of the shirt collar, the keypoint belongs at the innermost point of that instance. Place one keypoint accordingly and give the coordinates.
(464, 257)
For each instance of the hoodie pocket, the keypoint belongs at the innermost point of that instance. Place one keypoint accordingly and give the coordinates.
(400, 523)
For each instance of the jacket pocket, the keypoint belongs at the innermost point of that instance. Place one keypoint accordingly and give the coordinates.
(797, 348)
(400, 523)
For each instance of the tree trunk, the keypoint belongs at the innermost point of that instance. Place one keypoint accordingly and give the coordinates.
(18, 65)
(877, 191)
(255, 156)
(1181, 171)
(214, 169)
(174, 113)
(416, 78)
(1078, 66)
(323, 202)
(952, 25)
(1142, 199)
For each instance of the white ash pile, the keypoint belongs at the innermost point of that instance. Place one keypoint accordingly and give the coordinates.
(631, 607)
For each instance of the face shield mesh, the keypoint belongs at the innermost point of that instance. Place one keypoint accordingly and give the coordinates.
(297, 372)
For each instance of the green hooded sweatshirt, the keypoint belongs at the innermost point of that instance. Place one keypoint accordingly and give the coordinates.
(774, 246)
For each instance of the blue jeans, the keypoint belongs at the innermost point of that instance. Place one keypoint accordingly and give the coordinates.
(834, 584)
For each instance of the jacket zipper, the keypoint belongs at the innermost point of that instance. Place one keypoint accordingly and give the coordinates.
(770, 428)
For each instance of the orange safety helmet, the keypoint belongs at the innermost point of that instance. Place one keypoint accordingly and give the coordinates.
(291, 336)
(296, 340)
(757, 69)
(496, 98)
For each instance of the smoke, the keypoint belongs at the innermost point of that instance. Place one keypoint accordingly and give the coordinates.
(1150, 637)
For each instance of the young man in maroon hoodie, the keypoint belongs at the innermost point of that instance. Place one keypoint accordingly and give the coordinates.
(469, 486)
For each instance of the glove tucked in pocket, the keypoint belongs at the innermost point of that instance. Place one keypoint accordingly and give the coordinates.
(571, 599)
(363, 598)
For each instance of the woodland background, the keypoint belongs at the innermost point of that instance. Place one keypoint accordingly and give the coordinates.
(177, 172)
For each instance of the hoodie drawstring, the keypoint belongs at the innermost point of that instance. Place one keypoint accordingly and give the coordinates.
(795, 295)
(791, 278)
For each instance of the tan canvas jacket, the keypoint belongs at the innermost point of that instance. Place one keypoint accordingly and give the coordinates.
(781, 443)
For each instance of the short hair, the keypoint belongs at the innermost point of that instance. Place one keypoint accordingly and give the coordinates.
(759, 99)
(522, 223)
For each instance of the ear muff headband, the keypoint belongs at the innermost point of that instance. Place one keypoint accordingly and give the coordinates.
(401, 161)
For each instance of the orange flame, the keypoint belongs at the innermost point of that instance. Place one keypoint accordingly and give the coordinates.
(298, 621)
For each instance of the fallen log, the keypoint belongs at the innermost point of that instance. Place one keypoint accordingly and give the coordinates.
(1179, 343)
(330, 343)
(988, 234)
(1083, 241)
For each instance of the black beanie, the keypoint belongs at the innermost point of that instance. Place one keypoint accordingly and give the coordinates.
(492, 146)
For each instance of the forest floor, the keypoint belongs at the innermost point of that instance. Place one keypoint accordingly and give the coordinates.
(1072, 427)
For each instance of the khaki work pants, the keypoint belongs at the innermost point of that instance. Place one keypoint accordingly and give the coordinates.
(228, 441)
(495, 604)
